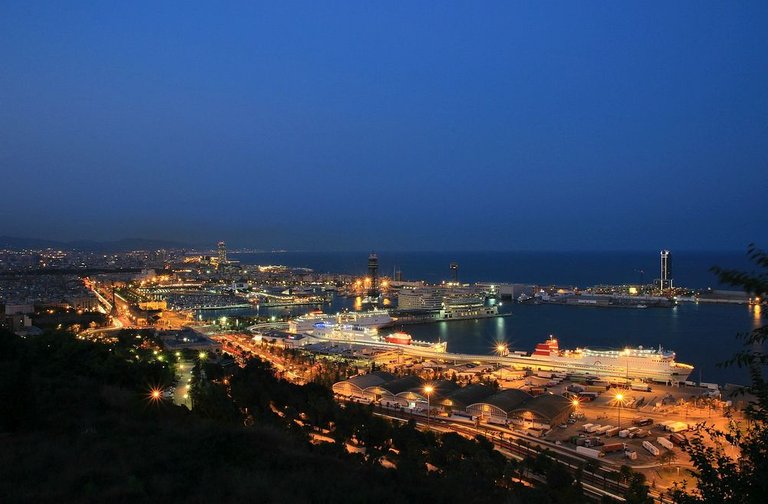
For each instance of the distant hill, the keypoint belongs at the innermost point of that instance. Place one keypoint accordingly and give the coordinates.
(12, 242)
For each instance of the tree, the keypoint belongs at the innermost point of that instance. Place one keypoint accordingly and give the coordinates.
(720, 477)
(668, 457)
(637, 490)
(625, 472)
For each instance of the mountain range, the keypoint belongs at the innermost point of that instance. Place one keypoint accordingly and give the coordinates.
(126, 244)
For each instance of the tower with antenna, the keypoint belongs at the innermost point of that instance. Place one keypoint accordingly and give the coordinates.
(373, 274)
(455, 272)
(665, 279)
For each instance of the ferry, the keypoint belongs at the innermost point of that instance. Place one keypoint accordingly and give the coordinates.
(642, 363)
(401, 338)
(369, 336)
(373, 319)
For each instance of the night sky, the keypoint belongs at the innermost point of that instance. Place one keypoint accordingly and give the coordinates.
(387, 125)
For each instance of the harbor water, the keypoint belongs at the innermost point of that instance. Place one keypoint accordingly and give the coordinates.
(701, 334)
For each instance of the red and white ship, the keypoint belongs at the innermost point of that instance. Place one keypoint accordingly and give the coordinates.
(645, 363)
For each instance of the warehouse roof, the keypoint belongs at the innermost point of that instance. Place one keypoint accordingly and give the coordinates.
(547, 406)
(508, 400)
(371, 379)
(470, 394)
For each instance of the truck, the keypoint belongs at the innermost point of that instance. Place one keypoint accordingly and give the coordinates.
(640, 386)
(666, 443)
(613, 447)
(624, 433)
(612, 432)
(602, 430)
(588, 396)
(678, 439)
(593, 428)
(589, 452)
(575, 388)
(651, 448)
(596, 388)
(544, 374)
(642, 421)
(631, 454)
(639, 433)
(586, 426)
(678, 427)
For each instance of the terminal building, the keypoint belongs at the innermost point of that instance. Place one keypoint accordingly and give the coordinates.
(482, 402)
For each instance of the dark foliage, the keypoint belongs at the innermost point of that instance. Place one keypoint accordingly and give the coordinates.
(721, 478)
(77, 425)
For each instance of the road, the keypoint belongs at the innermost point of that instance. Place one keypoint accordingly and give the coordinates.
(183, 381)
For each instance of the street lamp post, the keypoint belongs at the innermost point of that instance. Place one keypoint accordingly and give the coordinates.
(619, 399)
(428, 390)
(501, 349)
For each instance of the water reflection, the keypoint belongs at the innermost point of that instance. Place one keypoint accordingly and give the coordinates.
(500, 329)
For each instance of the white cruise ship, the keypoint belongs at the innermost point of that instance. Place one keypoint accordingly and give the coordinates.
(642, 363)
(373, 319)
(370, 336)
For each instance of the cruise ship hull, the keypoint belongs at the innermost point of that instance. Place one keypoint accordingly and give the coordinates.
(607, 368)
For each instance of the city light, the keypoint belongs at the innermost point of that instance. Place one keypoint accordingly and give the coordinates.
(155, 394)
(428, 389)
(619, 404)
(202, 355)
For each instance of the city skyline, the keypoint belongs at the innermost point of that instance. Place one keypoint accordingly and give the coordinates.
(397, 127)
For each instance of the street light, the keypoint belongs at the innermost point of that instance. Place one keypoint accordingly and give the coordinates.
(619, 402)
(428, 389)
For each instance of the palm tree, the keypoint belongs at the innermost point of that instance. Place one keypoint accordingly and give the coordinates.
(625, 472)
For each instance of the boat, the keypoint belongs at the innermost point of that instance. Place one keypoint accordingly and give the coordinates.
(401, 338)
(374, 319)
(345, 332)
(369, 336)
(640, 363)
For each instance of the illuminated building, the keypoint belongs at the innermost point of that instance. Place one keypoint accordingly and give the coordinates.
(373, 274)
(665, 280)
(222, 253)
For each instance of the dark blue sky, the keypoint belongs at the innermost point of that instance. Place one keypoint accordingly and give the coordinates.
(387, 125)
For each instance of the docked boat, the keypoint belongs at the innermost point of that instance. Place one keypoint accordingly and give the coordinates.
(373, 319)
(640, 363)
(401, 338)
(369, 336)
